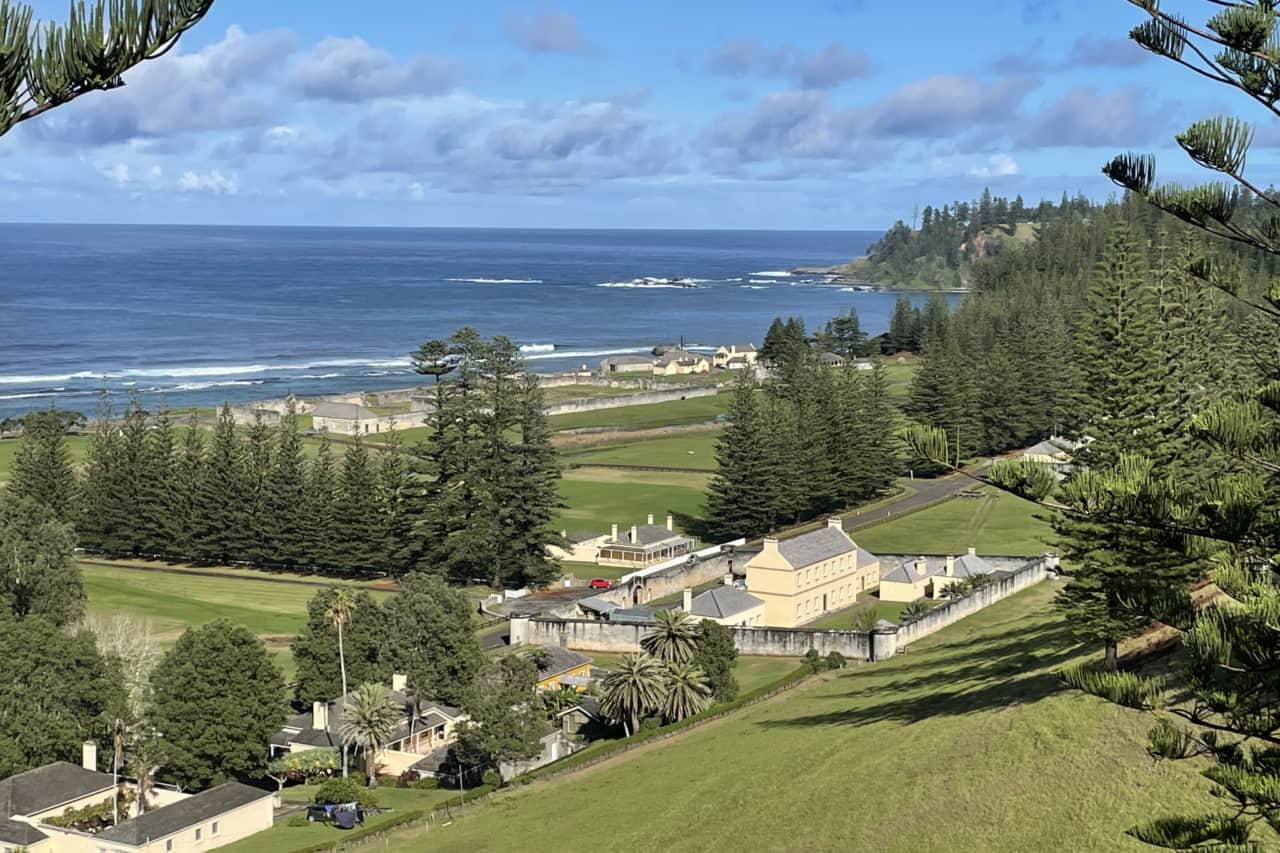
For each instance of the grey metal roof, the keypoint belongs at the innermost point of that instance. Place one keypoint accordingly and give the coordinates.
(555, 660)
(629, 359)
(632, 615)
(830, 358)
(679, 356)
(308, 735)
(815, 546)
(344, 411)
(47, 787)
(646, 534)
(739, 347)
(722, 602)
(597, 604)
(588, 705)
(17, 832)
(865, 556)
(966, 566)
(183, 814)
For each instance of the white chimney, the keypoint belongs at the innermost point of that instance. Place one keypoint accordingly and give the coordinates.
(770, 544)
(836, 522)
(688, 600)
(89, 756)
(613, 532)
(320, 715)
(635, 535)
(649, 519)
(399, 682)
(951, 566)
(922, 566)
(728, 579)
(671, 522)
(973, 552)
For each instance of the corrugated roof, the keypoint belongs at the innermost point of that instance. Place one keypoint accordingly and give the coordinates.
(178, 816)
(723, 602)
(815, 546)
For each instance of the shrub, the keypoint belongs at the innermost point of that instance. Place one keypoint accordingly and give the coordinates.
(1168, 741)
(835, 660)
(491, 778)
(649, 724)
(813, 660)
(299, 819)
(341, 790)
(427, 783)
(1122, 688)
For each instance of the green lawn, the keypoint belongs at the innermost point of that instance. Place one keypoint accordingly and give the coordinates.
(675, 413)
(283, 838)
(691, 450)
(599, 497)
(844, 619)
(78, 445)
(583, 392)
(967, 742)
(996, 523)
(900, 375)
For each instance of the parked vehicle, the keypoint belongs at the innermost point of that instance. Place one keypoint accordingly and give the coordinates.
(600, 583)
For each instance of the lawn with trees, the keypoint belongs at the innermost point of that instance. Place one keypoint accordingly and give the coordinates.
(995, 523)
(972, 720)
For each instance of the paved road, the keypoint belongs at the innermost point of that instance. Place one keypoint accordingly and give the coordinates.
(927, 491)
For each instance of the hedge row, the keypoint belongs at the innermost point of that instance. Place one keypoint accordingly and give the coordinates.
(606, 749)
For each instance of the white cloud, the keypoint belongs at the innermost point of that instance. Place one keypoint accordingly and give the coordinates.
(211, 182)
(997, 166)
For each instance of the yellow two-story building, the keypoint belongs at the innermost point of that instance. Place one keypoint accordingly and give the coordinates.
(802, 578)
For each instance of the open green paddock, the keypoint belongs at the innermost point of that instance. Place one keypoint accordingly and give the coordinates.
(996, 523)
(648, 416)
(966, 742)
(695, 449)
(595, 498)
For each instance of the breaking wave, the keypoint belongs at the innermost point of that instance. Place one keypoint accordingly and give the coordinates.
(498, 280)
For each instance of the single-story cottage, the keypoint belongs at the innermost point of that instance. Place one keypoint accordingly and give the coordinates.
(921, 577)
(643, 545)
(680, 363)
(735, 356)
(725, 605)
(559, 667)
(626, 364)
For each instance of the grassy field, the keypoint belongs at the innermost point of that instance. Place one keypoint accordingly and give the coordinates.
(994, 524)
(583, 392)
(676, 413)
(77, 444)
(688, 450)
(283, 838)
(901, 374)
(967, 742)
(599, 497)
(844, 619)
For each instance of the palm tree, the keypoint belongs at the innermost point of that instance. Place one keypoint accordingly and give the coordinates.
(674, 638)
(687, 692)
(637, 687)
(369, 718)
(342, 601)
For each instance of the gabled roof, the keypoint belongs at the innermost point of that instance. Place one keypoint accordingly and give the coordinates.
(732, 348)
(178, 816)
(723, 602)
(1048, 447)
(300, 728)
(629, 359)
(588, 705)
(47, 787)
(646, 534)
(966, 566)
(815, 546)
(17, 832)
(342, 411)
(680, 357)
(555, 660)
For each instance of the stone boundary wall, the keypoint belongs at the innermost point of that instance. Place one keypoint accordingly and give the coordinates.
(884, 642)
(593, 404)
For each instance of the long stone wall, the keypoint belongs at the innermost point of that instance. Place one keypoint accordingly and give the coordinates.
(884, 642)
(593, 404)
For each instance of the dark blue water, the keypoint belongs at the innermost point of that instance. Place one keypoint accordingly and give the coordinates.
(203, 315)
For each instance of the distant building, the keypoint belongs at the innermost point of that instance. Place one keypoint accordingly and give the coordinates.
(726, 605)
(680, 363)
(802, 578)
(864, 364)
(735, 356)
(425, 730)
(347, 419)
(581, 547)
(830, 359)
(921, 577)
(559, 667)
(643, 545)
(626, 364)
(1056, 452)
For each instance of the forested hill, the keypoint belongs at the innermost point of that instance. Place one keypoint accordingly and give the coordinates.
(937, 250)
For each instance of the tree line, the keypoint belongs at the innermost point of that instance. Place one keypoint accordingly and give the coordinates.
(474, 500)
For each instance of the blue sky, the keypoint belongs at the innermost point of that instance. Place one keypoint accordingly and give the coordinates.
(708, 114)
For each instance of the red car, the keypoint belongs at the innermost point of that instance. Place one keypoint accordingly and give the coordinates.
(600, 583)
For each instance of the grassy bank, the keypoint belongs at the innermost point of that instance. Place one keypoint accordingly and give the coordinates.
(675, 413)
(968, 742)
(995, 523)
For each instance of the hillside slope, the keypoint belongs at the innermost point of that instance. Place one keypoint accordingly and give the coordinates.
(965, 743)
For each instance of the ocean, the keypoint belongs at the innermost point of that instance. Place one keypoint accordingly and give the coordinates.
(202, 315)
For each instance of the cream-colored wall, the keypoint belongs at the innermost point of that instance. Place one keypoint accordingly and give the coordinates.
(232, 826)
(793, 596)
(578, 552)
(900, 591)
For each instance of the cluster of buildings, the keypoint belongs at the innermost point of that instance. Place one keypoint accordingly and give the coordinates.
(673, 361)
(41, 809)
(790, 583)
(637, 547)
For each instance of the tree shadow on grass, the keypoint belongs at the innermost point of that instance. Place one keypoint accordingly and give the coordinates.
(1015, 667)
